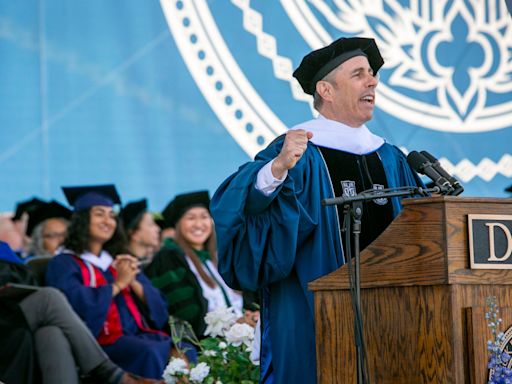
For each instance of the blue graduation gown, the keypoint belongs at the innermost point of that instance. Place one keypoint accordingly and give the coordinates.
(139, 352)
(284, 241)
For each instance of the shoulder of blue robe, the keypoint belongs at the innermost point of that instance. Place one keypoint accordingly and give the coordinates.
(155, 302)
(7, 254)
(398, 172)
(91, 304)
(258, 236)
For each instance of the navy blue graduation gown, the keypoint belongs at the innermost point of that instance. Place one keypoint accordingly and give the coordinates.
(284, 241)
(139, 352)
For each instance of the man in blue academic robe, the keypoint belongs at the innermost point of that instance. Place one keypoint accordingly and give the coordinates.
(273, 233)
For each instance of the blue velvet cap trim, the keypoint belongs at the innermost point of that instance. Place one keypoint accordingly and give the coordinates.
(90, 199)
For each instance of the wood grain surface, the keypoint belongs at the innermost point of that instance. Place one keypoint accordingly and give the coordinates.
(423, 307)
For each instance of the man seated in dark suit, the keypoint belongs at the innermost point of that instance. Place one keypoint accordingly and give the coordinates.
(42, 320)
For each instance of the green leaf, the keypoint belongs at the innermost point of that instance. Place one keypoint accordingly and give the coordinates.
(210, 343)
(242, 359)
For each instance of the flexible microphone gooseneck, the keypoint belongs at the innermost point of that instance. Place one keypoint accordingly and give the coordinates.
(422, 165)
(457, 186)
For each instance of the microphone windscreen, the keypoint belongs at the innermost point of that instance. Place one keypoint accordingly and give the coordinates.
(429, 157)
(416, 160)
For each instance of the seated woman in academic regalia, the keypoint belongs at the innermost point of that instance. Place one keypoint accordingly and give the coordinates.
(110, 295)
(141, 231)
(185, 268)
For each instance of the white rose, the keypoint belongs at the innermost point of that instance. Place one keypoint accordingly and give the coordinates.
(175, 367)
(199, 372)
(240, 333)
(222, 345)
(209, 353)
(219, 321)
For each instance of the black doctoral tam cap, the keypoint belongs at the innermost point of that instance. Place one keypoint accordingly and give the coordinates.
(317, 64)
(26, 206)
(182, 203)
(49, 210)
(132, 213)
(84, 197)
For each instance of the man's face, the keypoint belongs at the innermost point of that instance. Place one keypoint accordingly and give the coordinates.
(54, 234)
(354, 91)
(10, 234)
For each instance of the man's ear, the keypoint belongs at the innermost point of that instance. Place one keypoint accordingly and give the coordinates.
(324, 90)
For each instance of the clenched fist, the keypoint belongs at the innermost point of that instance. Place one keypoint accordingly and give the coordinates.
(294, 146)
(127, 268)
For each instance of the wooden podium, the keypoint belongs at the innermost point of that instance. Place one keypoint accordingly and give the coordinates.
(423, 307)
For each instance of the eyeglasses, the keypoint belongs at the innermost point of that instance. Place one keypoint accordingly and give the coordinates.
(55, 235)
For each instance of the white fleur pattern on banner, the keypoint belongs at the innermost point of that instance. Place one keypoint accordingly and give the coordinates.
(253, 124)
(410, 39)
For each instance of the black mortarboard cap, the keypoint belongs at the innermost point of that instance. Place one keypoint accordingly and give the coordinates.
(509, 189)
(181, 203)
(132, 212)
(26, 206)
(84, 197)
(46, 211)
(159, 220)
(317, 64)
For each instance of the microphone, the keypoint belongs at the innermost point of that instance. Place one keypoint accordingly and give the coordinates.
(422, 165)
(458, 188)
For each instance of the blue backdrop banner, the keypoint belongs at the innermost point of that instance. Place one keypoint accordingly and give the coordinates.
(167, 97)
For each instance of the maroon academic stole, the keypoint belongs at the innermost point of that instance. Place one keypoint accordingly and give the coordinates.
(112, 327)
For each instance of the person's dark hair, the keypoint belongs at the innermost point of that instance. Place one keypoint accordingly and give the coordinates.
(125, 233)
(78, 235)
(133, 226)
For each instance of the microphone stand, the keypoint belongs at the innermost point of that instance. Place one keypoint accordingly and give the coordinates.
(352, 215)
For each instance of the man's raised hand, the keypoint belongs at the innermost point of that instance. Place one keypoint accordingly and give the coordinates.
(294, 146)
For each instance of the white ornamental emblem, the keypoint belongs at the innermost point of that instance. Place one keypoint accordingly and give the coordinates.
(448, 67)
(349, 188)
(380, 200)
(447, 64)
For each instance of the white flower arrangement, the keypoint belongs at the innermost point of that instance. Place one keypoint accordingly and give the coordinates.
(240, 334)
(199, 373)
(223, 356)
(175, 369)
(219, 321)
